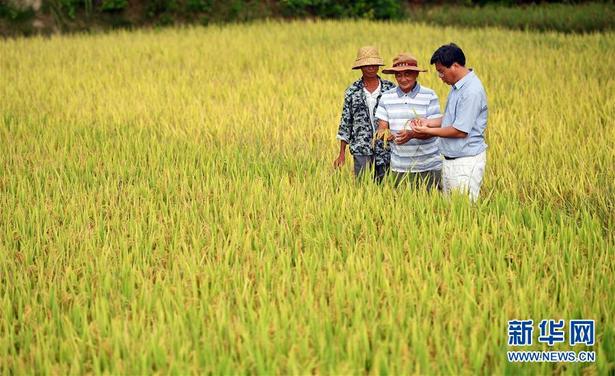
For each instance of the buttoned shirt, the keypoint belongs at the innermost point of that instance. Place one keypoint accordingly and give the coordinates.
(466, 110)
(397, 108)
(372, 100)
(356, 125)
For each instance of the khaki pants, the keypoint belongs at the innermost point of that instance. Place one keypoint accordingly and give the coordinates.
(464, 174)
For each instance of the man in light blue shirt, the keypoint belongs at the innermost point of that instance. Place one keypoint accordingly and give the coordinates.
(462, 129)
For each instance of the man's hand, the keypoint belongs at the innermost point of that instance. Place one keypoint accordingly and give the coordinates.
(429, 123)
(416, 122)
(424, 132)
(421, 129)
(403, 137)
(339, 162)
(383, 129)
(382, 133)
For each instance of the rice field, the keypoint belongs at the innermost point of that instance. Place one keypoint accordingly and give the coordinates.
(168, 205)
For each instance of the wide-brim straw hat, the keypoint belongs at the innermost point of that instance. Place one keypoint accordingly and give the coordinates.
(403, 62)
(366, 56)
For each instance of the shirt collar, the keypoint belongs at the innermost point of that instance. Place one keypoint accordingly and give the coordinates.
(459, 84)
(415, 90)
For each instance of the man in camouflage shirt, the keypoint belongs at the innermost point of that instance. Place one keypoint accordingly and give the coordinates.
(357, 124)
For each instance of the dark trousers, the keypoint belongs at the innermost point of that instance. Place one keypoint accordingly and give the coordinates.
(428, 179)
(363, 163)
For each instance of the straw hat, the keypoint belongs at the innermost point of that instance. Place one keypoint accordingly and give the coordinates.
(403, 62)
(367, 55)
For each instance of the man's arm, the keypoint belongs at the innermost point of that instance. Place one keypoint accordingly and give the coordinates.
(408, 134)
(433, 119)
(448, 132)
(341, 159)
(343, 134)
(469, 106)
(430, 123)
(382, 125)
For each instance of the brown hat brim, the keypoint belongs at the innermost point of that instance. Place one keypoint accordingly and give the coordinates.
(394, 70)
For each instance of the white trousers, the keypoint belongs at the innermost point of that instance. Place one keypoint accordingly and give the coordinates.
(464, 174)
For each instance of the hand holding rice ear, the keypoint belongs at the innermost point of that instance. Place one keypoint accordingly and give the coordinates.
(421, 128)
(383, 134)
(417, 121)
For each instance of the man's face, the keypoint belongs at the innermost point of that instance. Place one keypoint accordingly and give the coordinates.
(406, 79)
(370, 71)
(447, 75)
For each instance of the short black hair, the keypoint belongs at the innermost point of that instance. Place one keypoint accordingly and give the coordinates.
(448, 54)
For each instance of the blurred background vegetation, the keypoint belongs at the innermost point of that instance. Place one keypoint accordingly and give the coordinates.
(28, 17)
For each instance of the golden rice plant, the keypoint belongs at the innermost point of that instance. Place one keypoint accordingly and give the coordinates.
(167, 206)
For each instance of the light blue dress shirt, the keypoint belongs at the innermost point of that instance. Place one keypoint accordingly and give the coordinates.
(466, 110)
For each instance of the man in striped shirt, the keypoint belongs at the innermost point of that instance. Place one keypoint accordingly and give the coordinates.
(414, 157)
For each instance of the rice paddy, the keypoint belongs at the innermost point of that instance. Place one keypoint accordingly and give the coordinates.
(168, 204)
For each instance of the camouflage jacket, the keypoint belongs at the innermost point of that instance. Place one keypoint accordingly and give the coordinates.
(355, 125)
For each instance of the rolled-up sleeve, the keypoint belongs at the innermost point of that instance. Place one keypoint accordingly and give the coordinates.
(381, 112)
(468, 108)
